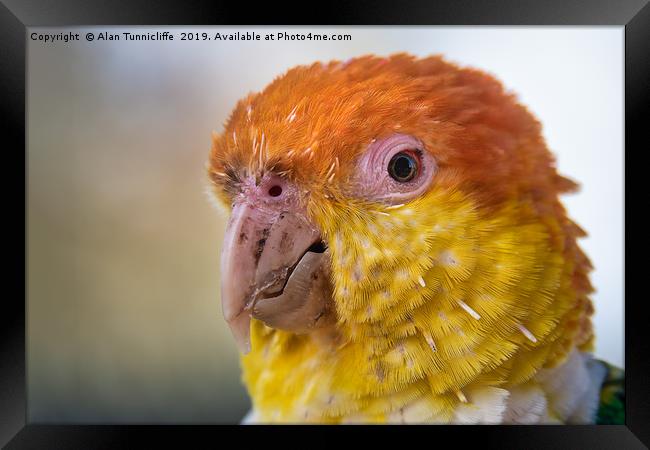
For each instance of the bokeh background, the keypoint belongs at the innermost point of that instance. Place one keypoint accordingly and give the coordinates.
(124, 316)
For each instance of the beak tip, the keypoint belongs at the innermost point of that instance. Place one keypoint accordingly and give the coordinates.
(240, 328)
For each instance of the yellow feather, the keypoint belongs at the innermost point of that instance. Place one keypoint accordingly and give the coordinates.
(423, 314)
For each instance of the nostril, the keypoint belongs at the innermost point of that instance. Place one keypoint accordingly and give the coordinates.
(275, 191)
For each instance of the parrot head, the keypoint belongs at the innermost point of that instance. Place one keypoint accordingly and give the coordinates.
(392, 197)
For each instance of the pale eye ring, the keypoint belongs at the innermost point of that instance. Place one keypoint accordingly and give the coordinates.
(393, 169)
(403, 166)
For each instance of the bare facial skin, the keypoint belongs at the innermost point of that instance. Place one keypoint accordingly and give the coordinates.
(372, 178)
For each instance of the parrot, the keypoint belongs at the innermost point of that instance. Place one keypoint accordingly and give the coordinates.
(396, 252)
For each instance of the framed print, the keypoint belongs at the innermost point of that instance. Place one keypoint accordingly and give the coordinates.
(412, 215)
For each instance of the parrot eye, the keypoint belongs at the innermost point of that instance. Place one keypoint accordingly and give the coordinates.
(403, 167)
(394, 169)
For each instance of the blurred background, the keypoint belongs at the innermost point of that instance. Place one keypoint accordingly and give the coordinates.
(124, 316)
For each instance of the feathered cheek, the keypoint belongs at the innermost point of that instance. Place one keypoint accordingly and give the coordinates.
(392, 170)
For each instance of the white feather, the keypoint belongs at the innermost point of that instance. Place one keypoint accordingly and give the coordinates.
(526, 405)
(586, 410)
(485, 406)
(573, 389)
(250, 418)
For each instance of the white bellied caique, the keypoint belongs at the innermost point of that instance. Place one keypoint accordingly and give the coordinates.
(397, 252)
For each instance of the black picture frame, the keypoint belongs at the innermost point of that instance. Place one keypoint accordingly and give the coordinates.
(17, 16)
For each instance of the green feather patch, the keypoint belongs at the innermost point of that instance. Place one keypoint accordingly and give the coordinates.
(611, 410)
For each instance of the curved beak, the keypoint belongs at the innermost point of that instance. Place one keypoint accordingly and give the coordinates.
(267, 269)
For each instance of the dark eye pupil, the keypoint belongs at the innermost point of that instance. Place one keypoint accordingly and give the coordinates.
(402, 167)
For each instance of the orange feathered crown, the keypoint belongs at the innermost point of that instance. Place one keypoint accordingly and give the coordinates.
(311, 123)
